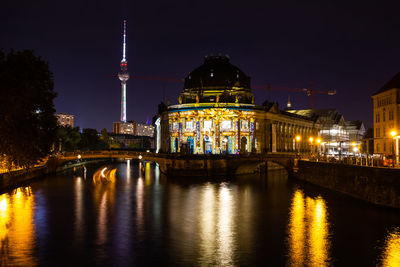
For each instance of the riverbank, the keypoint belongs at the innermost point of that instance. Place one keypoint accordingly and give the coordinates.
(377, 185)
(10, 180)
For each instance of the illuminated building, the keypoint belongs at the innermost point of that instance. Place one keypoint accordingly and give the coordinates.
(145, 130)
(386, 107)
(128, 127)
(65, 120)
(133, 128)
(216, 114)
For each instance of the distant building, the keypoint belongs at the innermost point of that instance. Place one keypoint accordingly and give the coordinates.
(121, 127)
(333, 132)
(145, 130)
(65, 119)
(356, 130)
(386, 107)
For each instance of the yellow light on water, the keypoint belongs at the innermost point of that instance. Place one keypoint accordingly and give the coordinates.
(391, 253)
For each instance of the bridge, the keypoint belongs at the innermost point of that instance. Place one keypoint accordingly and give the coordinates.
(193, 165)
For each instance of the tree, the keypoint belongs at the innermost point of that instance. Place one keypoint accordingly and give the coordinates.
(91, 140)
(70, 138)
(27, 122)
(104, 135)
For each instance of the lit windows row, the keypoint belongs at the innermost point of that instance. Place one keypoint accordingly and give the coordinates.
(390, 116)
(384, 101)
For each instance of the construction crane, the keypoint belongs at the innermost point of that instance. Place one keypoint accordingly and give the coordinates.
(309, 91)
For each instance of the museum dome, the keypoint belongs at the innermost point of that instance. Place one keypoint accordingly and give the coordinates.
(217, 71)
(217, 80)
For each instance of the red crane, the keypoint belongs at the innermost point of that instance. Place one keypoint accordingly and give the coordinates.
(309, 91)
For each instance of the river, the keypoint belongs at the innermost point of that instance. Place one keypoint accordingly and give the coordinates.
(127, 214)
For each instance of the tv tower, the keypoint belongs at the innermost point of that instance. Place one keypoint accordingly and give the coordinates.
(123, 76)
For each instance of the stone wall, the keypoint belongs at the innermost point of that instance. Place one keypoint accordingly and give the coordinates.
(379, 186)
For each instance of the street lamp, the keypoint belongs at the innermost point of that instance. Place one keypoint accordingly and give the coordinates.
(319, 146)
(298, 138)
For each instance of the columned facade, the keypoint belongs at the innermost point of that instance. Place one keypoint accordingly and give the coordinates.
(216, 114)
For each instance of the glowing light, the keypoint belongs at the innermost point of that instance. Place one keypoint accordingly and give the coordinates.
(355, 149)
(319, 141)
(311, 139)
(298, 138)
(391, 253)
(79, 156)
(102, 172)
(140, 157)
(353, 144)
(393, 133)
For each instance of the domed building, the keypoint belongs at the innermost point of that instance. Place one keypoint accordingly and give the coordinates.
(216, 114)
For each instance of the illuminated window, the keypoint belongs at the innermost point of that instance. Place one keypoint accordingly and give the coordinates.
(383, 116)
(226, 125)
(189, 126)
(175, 126)
(207, 125)
(245, 125)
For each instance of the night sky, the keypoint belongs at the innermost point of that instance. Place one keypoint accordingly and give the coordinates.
(350, 46)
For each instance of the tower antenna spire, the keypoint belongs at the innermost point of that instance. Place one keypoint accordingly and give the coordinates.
(124, 44)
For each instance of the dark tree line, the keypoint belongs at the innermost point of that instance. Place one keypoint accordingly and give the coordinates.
(27, 122)
(71, 139)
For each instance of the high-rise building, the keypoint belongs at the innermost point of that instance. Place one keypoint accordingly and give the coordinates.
(65, 119)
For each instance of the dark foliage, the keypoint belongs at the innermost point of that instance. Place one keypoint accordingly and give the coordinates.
(27, 122)
(70, 138)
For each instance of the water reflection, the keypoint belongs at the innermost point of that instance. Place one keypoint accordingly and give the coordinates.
(217, 225)
(308, 237)
(391, 253)
(104, 198)
(16, 228)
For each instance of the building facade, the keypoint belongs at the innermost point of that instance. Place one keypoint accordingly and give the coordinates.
(216, 114)
(386, 112)
(145, 129)
(120, 127)
(65, 120)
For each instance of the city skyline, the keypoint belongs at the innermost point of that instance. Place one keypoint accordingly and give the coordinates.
(337, 46)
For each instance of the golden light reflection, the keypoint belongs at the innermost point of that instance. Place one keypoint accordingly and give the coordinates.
(16, 228)
(308, 231)
(297, 229)
(207, 225)
(225, 227)
(391, 254)
(317, 231)
(104, 197)
(147, 173)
